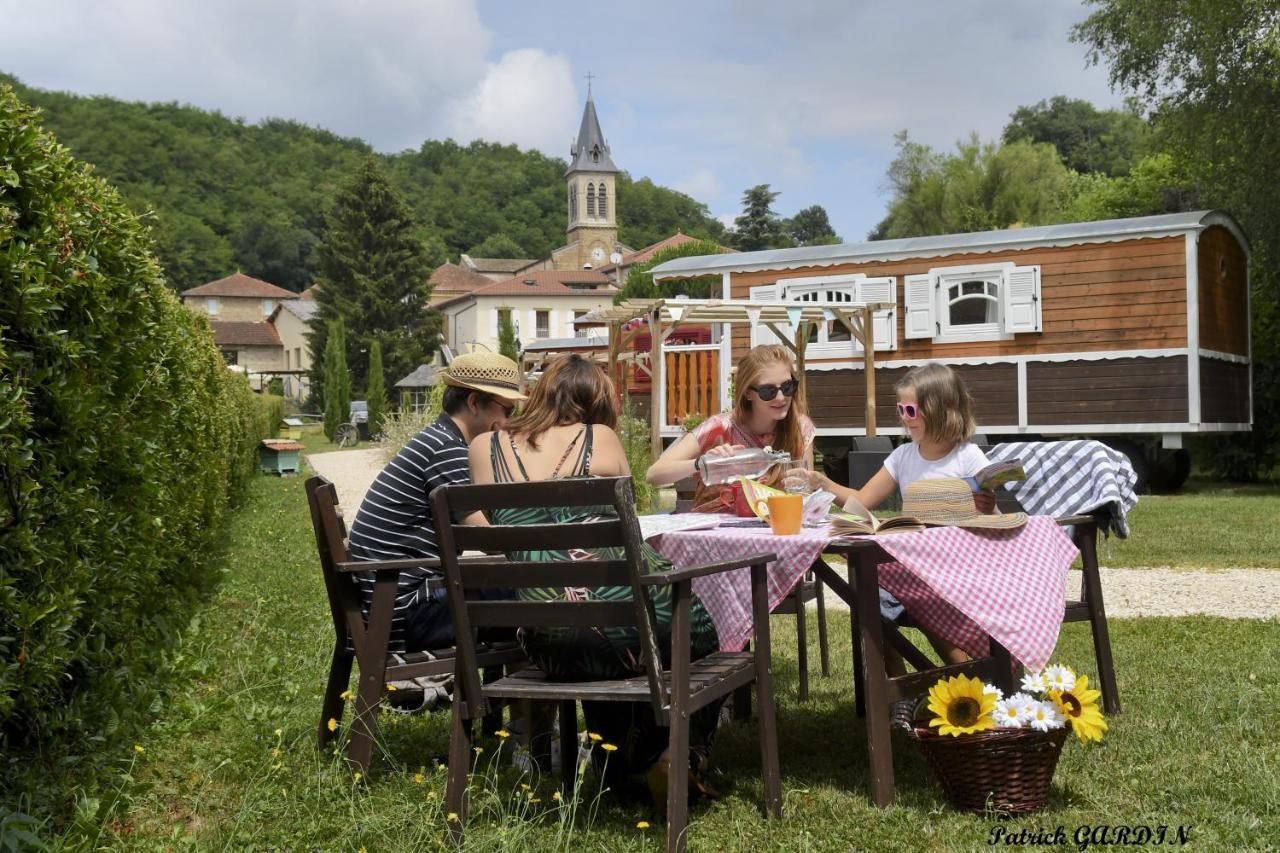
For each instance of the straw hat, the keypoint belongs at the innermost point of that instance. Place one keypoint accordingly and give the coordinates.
(487, 372)
(948, 501)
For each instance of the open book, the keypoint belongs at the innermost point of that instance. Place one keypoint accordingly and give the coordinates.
(996, 475)
(857, 519)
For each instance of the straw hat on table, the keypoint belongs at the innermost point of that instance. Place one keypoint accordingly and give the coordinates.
(948, 501)
(487, 372)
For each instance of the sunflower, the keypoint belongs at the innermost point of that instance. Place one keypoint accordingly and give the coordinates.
(1080, 706)
(961, 706)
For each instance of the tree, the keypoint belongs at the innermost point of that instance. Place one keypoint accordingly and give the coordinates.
(811, 227)
(376, 391)
(507, 335)
(1156, 184)
(982, 186)
(337, 380)
(497, 246)
(1089, 139)
(1210, 75)
(758, 227)
(373, 275)
(639, 283)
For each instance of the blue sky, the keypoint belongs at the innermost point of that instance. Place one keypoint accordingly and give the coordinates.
(709, 98)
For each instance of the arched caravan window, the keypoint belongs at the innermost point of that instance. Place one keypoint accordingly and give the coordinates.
(973, 303)
(591, 199)
(831, 337)
(602, 201)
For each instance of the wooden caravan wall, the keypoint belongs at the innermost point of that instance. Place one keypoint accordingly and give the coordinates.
(1096, 297)
(843, 395)
(1108, 391)
(1224, 293)
(1224, 392)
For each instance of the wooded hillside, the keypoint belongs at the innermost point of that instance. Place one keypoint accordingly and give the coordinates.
(229, 195)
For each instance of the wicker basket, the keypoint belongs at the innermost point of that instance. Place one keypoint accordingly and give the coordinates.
(1006, 771)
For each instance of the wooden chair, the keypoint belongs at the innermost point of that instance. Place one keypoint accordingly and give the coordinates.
(808, 589)
(366, 641)
(673, 694)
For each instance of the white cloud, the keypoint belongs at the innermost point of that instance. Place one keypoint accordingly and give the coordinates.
(526, 98)
(702, 185)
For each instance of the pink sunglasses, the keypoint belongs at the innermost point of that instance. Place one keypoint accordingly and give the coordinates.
(910, 411)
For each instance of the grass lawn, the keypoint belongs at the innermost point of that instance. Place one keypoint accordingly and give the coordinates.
(1208, 524)
(231, 762)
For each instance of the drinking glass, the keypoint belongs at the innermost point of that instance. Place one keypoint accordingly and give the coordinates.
(795, 477)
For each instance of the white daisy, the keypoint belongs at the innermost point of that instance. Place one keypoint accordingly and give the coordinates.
(1034, 682)
(1027, 706)
(1008, 714)
(1060, 678)
(992, 690)
(1045, 716)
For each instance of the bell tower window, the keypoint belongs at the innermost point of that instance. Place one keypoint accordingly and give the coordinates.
(591, 199)
(602, 204)
(573, 202)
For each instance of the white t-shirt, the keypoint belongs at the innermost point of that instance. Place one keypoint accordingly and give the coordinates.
(906, 465)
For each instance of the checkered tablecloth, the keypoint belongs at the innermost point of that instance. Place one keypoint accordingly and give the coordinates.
(964, 585)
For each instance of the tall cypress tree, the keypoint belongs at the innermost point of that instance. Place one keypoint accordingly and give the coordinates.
(507, 335)
(373, 275)
(376, 392)
(337, 379)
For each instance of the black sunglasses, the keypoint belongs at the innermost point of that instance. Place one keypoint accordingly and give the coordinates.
(768, 392)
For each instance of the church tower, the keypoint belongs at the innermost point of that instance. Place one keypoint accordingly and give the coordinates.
(592, 181)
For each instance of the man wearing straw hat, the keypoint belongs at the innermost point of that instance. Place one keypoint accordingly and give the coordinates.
(395, 521)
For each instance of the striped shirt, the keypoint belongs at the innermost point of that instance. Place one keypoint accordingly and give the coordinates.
(395, 520)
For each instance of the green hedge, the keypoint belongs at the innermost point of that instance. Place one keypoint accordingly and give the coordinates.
(123, 439)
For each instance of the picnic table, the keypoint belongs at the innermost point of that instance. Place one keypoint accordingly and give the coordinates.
(997, 594)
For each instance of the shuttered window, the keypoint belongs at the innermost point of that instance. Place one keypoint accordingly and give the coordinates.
(973, 303)
(832, 338)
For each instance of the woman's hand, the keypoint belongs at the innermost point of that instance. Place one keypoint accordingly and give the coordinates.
(818, 480)
(985, 502)
(725, 450)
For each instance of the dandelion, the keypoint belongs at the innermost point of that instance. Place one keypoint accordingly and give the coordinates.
(431, 795)
(594, 736)
(608, 747)
(555, 795)
(642, 824)
(419, 778)
(503, 733)
(535, 799)
(362, 850)
(347, 695)
(275, 752)
(391, 688)
(523, 786)
(332, 724)
(452, 817)
(137, 747)
(279, 732)
(478, 749)
(357, 777)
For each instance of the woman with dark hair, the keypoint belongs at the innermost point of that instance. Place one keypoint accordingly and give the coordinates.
(567, 430)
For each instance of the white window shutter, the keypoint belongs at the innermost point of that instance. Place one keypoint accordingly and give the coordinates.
(761, 335)
(1021, 298)
(884, 322)
(919, 302)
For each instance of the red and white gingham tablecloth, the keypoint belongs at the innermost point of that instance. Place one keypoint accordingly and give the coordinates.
(964, 585)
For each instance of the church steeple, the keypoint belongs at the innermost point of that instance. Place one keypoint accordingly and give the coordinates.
(591, 152)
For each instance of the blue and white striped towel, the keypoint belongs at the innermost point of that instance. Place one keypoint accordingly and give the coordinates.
(1073, 478)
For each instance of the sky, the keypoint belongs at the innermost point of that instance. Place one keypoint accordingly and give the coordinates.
(709, 98)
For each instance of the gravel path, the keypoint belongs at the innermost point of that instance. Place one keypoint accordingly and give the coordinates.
(1162, 591)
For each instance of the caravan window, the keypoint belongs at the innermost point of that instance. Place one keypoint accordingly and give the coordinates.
(974, 302)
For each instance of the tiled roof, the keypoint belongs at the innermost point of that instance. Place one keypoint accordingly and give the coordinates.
(453, 279)
(511, 265)
(309, 294)
(303, 309)
(544, 283)
(424, 377)
(230, 333)
(240, 284)
(640, 256)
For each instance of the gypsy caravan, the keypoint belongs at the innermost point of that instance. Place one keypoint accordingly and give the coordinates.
(1134, 331)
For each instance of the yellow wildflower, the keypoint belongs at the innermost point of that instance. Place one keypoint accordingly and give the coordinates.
(358, 776)
(452, 817)
(524, 786)
(556, 796)
(608, 747)
(642, 824)
(275, 752)
(419, 778)
(594, 736)
(137, 747)
(392, 688)
(535, 799)
(503, 733)
(279, 732)
(478, 749)
(348, 695)
(332, 724)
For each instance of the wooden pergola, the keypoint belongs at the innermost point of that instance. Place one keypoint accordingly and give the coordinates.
(663, 316)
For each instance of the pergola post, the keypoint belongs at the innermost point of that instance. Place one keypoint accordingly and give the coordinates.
(869, 367)
(655, 375)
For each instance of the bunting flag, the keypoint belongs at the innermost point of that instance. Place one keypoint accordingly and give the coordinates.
(793, 315)
(677, 311)
(753, 314)
(828, 314)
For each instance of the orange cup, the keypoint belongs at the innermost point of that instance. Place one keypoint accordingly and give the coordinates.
(785, 514)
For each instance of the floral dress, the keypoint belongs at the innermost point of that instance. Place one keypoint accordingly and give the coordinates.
(581, 654)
